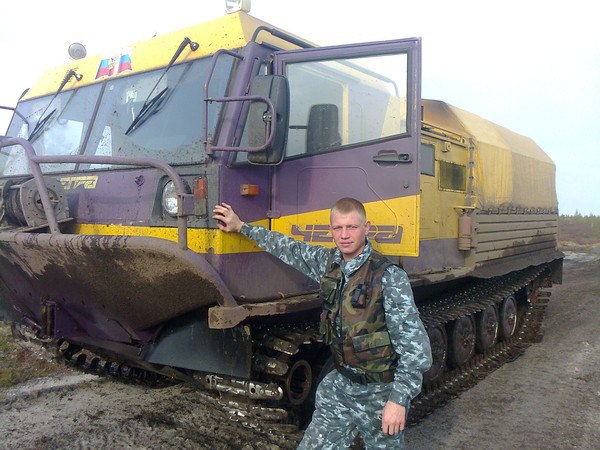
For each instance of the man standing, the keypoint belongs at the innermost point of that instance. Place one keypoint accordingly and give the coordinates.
(369, 319)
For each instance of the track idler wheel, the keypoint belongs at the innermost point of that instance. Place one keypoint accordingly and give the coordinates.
(298, 382)
(439, 351)
(486, 322)
(508, 317)
(461, 341)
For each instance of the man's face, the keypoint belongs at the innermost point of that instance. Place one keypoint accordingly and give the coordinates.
(349, 233)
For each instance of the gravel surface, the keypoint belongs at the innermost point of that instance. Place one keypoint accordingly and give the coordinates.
(547, 398)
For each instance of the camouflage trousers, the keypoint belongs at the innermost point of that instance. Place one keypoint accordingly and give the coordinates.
(345, 408)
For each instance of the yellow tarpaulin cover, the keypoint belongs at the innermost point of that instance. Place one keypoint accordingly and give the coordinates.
(511, 170)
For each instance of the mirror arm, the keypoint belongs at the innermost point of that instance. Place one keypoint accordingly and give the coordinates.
(268, 117)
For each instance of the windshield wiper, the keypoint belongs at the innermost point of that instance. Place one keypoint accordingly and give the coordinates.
(37, 130)
(146, 108)
(39, 127)
(149, 102)
(16, 111)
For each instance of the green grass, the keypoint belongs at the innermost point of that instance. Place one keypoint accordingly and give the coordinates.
(18, 364)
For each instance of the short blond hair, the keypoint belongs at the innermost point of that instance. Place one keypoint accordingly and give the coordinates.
(348, 205)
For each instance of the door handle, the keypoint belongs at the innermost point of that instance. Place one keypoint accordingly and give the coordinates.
(392, 157)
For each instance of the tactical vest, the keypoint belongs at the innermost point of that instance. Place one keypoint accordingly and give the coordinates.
(363, 341)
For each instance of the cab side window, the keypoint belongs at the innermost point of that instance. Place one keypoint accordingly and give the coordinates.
(427, 159)
(342, 102)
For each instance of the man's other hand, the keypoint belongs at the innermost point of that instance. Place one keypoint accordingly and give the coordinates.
(393, 418)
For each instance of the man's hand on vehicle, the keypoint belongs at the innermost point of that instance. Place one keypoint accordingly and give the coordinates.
(227, 219)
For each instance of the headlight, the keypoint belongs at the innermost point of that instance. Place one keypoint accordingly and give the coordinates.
(169, 199)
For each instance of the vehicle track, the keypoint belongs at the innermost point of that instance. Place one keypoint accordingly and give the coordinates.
(271, 418)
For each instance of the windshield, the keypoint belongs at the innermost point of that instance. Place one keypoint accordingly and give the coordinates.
(60, 130)
(170, 129)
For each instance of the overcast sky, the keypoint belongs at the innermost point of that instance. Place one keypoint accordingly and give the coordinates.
(532, 66)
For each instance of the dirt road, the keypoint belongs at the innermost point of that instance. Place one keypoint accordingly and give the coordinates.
(548, 398)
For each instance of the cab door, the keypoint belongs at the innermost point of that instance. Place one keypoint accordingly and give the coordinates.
(354, 124)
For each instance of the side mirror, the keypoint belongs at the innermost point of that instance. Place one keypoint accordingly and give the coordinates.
(259, 122)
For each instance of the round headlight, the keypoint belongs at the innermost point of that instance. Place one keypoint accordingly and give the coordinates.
(169, 199)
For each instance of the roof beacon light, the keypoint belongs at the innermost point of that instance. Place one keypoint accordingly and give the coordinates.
(233, 6)
(77, 50)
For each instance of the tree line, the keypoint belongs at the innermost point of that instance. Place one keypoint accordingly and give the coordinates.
(579, 228)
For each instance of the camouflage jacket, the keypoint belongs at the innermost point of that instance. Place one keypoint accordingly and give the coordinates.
(407, 333)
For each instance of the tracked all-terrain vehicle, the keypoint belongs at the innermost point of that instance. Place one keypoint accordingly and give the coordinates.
(112, 163)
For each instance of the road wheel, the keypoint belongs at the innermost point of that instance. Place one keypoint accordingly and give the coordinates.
(461, 341)
(323, 364)
(508, 317)
(486, 322)
(439, 351)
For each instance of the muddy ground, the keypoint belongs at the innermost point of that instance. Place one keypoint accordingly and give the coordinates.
(547, 398)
